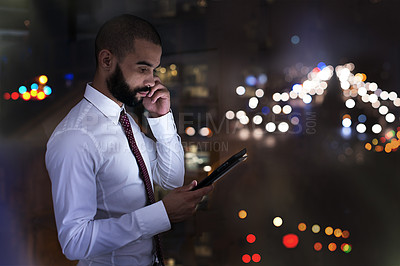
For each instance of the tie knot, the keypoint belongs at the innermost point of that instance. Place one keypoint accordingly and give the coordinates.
(122, 116)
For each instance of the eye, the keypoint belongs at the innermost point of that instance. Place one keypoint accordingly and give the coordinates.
(143, 70)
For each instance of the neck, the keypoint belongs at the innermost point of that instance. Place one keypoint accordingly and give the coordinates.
(100, 84)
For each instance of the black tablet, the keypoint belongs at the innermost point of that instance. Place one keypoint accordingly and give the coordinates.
(223, 169)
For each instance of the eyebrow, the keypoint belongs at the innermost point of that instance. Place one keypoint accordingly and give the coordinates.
(146, 64)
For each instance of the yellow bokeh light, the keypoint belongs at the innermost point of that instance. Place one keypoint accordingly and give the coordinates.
(329, 230)
(302, 227)
(34, 93)
(346, 248)
(174, 73)
(162, 70)
(41, 95)
(368, 146)
(242, 214)
(375, 141)
(26, 96)
(277, 221)
(43, 79)
(338, 232)
(172, 67)
(316, 228)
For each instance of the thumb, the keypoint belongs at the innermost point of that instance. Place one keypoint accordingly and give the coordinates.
(191, 185)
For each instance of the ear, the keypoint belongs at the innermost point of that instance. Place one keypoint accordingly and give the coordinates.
(106, 60)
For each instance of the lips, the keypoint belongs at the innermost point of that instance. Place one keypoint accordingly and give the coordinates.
(143, 93)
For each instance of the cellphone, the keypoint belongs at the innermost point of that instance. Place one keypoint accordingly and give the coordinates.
(223, 169)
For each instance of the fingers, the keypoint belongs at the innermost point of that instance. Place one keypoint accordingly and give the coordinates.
(158, 86)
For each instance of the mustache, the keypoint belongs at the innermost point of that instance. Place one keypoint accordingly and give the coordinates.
(143, 89)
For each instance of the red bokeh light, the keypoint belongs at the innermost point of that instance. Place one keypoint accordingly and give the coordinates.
(14, 95)
(251, 238)
(317, 246)
(246, 258)
(6, 96)
(290, 240)
(256, 257)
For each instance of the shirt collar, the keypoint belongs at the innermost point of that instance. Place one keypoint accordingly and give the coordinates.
(104, 104)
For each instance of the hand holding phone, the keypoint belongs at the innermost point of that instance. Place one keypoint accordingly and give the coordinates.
(223, 169)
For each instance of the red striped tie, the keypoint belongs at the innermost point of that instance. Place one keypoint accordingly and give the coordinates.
(126, 125)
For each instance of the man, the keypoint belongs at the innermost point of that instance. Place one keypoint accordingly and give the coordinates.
(103, 210)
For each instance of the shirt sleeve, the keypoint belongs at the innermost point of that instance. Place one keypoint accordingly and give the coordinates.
(72, 160)
(168, 168)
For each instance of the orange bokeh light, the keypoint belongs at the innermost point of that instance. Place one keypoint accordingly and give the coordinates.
(242, 214)
(368, 146)
(302, 227)
(329, 230)
(332, 246)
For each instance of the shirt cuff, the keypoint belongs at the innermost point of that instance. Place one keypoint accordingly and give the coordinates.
(163, 127)
(153, 219)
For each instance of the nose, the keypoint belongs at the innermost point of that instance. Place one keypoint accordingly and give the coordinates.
(150, 81)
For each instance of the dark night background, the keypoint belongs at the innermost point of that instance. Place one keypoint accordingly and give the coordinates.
(312, 173)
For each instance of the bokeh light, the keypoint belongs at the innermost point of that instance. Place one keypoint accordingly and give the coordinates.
(242, 214)
(316, 228)
(332, 246)
(290, 240)
(246, 258)
(190, 131)
(256, 257)
(14, 95)
(317, 246)
(230, 115)
(43, 79)
(277, 221)
(302, 227)
(328, 230)
(270, 127)
(22, 89)
(240, 90)
(337, 232)
(251, 238)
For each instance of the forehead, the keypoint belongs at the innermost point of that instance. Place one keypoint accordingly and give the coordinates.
(144, 51)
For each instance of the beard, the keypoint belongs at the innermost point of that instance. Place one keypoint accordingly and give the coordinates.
(121, 90)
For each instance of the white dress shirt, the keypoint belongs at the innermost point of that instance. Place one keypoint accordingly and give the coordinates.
(99, 198)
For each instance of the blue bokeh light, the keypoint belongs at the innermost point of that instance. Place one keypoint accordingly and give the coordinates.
(34, 86)
(265, 110)
(362, 118)
(22, 89)
(69, 76)
(295, 39)
(47, 90)
(251, 80)
(321, 65)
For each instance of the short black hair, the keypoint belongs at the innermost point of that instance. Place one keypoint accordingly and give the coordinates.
(117, 35)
